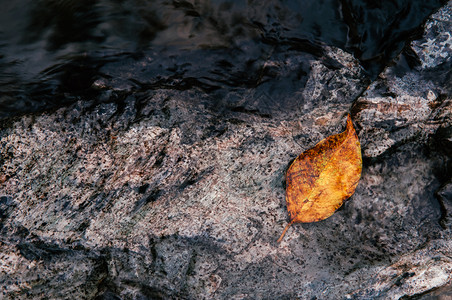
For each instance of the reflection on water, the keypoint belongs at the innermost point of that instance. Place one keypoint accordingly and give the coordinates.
(52, 52)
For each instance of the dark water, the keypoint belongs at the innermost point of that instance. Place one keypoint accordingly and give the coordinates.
(56, 52)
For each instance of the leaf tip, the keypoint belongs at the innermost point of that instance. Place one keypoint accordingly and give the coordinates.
(349, 121)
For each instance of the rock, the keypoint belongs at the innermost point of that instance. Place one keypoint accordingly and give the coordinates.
(410, 104)
(179, 193)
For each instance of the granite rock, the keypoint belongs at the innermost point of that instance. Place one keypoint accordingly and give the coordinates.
(179, 193)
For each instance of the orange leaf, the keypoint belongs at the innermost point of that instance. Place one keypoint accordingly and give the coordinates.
(321, 178)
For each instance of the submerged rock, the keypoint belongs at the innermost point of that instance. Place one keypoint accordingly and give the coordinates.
(179, 193)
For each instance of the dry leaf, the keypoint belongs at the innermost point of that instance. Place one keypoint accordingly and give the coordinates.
(321, 178)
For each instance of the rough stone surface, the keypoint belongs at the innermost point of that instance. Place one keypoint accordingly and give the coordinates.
(178, 194)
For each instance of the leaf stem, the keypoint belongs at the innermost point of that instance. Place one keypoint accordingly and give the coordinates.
(284, 231)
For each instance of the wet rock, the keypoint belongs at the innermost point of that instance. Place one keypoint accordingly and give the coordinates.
(410, 104)
(444, 195)
(179, 193)
(407, 112)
